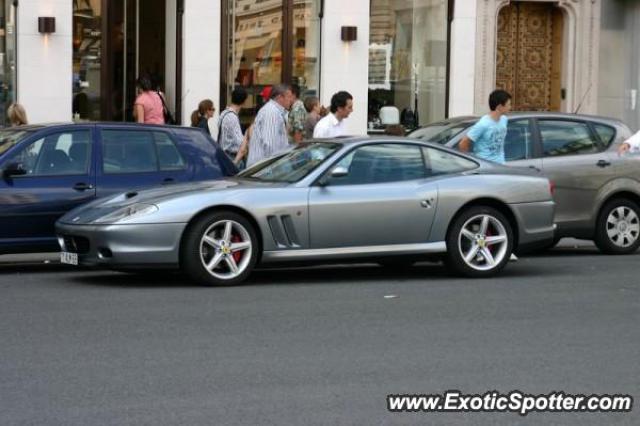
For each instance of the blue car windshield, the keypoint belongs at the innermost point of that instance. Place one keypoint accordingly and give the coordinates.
(9, 138)
(293, 165)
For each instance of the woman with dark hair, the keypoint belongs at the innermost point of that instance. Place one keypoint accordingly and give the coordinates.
(148, 107)
(200, 117)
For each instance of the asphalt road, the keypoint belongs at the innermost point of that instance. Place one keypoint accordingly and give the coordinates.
(314, 345)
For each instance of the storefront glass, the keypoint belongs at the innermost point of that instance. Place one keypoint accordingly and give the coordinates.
(408, 60)
(7, 58)
(270, 42)
(87, 59)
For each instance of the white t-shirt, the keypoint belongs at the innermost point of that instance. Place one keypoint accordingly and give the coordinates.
(634, 142)
(329, 127)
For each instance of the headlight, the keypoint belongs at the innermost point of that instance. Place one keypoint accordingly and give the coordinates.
(128, 212)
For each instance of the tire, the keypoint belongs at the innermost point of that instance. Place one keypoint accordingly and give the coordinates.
(465, 236)
(218, 249)
(618, 227)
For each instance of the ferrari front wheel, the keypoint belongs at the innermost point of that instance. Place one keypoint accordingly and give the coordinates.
(219, 248)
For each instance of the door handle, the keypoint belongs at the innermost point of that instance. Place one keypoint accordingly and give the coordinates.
(603, 163)
(81, 186)
(168, 180)
(534, 168)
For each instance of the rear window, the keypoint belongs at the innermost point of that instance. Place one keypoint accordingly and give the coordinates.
(606, 133)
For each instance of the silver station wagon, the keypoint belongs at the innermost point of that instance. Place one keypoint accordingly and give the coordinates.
(597, 191)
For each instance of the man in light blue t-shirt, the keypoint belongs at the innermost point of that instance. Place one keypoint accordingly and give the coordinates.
(486, 138)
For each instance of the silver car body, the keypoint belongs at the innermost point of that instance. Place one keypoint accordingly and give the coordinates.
(584, 182)
(305, 221)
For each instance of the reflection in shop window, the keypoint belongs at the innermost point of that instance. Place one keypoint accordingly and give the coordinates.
(408, 60)
(87, 54)
(7, 58)
(254, 47)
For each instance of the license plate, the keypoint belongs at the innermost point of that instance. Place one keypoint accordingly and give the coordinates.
(69, 258)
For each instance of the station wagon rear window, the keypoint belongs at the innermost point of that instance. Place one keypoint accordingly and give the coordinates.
(606, 133)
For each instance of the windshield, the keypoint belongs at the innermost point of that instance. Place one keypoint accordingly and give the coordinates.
(294, 165)
(441, 132)
(9, 138)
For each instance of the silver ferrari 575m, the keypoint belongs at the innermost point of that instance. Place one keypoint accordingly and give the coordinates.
(391, 200)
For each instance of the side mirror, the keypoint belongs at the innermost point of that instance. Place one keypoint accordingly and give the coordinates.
(337, 172)
(14, 169)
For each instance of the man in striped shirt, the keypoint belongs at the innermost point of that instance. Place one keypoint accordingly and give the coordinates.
(270, 126)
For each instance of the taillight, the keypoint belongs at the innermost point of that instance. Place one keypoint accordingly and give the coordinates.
(552, 187)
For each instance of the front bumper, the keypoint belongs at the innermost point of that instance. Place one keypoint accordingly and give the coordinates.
(123, 246)
(535, 224)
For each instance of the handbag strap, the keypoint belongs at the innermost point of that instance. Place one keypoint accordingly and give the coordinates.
(164, 105)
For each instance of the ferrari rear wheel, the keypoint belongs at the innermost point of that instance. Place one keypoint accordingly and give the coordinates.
(479, 242)
(220, 248)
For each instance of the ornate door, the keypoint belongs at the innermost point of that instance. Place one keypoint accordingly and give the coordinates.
(528, 62)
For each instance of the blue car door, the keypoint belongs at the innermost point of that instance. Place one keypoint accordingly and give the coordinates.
(133, 158)
(53, 173)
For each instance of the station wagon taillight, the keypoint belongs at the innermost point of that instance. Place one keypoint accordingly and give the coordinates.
(552, 187)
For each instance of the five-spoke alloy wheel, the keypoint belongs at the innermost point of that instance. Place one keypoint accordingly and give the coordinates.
(479, 242)
(219, 249)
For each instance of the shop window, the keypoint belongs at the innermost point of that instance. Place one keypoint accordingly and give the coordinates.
(407, 60)
(270, 42)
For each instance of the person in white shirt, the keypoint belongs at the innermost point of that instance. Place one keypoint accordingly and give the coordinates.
(633, 143)
(333, 125)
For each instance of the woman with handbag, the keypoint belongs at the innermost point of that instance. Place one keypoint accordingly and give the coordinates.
(149, 105)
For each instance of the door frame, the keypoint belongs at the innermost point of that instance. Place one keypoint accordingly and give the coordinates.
(106, 64)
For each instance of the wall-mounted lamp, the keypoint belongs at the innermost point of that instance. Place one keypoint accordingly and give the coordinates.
(349, 33)
(46, 24)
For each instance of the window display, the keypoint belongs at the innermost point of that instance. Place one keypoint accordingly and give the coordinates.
(408, 60)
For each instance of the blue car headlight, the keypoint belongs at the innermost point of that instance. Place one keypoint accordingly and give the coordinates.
(128, 212)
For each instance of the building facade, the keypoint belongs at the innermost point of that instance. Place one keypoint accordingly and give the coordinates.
(428, 58)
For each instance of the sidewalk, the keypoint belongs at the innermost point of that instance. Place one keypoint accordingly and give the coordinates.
(30, 258)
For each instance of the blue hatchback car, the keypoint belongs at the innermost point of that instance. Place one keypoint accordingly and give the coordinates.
(48, 170)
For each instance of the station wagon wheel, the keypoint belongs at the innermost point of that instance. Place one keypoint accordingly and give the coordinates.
(219, 249)
(479, 242)
(618, 227)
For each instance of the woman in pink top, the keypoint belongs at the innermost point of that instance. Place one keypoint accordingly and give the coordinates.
(148, 106)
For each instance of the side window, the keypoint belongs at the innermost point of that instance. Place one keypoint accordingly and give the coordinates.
(57, 154)
(128, 151)
(566, 138)
(518, 144)
(381, 163)
(606, 133)
(441, 163)
(169, 157)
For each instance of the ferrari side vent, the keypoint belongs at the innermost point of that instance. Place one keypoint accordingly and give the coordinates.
(277, 232)
(290, 231)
